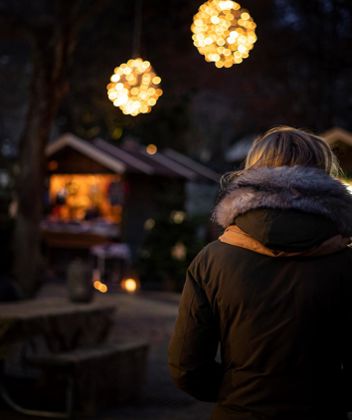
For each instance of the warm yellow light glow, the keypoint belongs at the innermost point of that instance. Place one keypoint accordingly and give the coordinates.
(179, 251)
(101, 287)
(149, 224)
(130, 285)
(178, 216)
(151, 149)
(223, 32)
(76, 196)
(134, 87)
(348, 184)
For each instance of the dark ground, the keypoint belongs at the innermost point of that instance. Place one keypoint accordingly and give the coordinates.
(151, 316)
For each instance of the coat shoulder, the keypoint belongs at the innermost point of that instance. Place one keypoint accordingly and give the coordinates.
(216, 254)
(214, 249)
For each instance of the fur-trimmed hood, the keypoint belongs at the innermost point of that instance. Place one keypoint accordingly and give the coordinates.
(298, 188)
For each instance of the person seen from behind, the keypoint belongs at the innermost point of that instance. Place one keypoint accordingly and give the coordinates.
(274, 292)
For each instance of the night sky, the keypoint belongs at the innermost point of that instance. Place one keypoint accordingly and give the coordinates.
(298, 73)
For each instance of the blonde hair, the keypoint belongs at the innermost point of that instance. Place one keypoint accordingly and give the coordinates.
(288, 146)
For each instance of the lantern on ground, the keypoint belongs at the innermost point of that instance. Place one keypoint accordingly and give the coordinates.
(134, 87)
(223, 32)
(130, 285)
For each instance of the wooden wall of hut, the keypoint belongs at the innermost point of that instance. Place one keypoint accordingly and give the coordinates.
(70, 161)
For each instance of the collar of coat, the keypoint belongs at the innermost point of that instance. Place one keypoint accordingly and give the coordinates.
(309, 190)
(233, 235)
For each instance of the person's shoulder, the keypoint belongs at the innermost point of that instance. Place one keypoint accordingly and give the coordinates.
(205, 259)
(212, 252)
(205, 253)
(212, 248)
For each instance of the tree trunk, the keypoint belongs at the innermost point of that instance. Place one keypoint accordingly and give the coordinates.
(53, 45)
(50, 54)
(30, 187)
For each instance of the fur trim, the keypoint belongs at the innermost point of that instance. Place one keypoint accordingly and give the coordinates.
(306, 189)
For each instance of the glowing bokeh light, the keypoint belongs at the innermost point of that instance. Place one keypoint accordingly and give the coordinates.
(130, 285)
(149, 224)
(101, 287)
(134, 87)
(177, 216)
(223, 32)
(151, 149)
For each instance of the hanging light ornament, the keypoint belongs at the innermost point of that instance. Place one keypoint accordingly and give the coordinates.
(134, 87)
(223, 32)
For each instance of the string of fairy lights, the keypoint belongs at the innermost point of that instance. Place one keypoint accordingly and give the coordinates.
(223, 32)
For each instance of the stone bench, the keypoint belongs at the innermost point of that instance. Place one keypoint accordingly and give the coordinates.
(96, 377)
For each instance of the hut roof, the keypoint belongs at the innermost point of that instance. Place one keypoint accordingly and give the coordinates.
(133, 158)
(336, 134)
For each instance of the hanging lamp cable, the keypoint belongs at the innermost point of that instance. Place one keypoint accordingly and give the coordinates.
(135, 87)
(137, 32)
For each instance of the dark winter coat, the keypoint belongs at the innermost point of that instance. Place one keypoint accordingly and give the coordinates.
(276, 292)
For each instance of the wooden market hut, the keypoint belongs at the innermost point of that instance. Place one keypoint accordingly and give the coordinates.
(99, 192)
(340, 141)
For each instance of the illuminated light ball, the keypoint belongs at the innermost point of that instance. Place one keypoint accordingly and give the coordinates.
(223, 32)
(151, 149)
(130, 285)
(134, 87)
